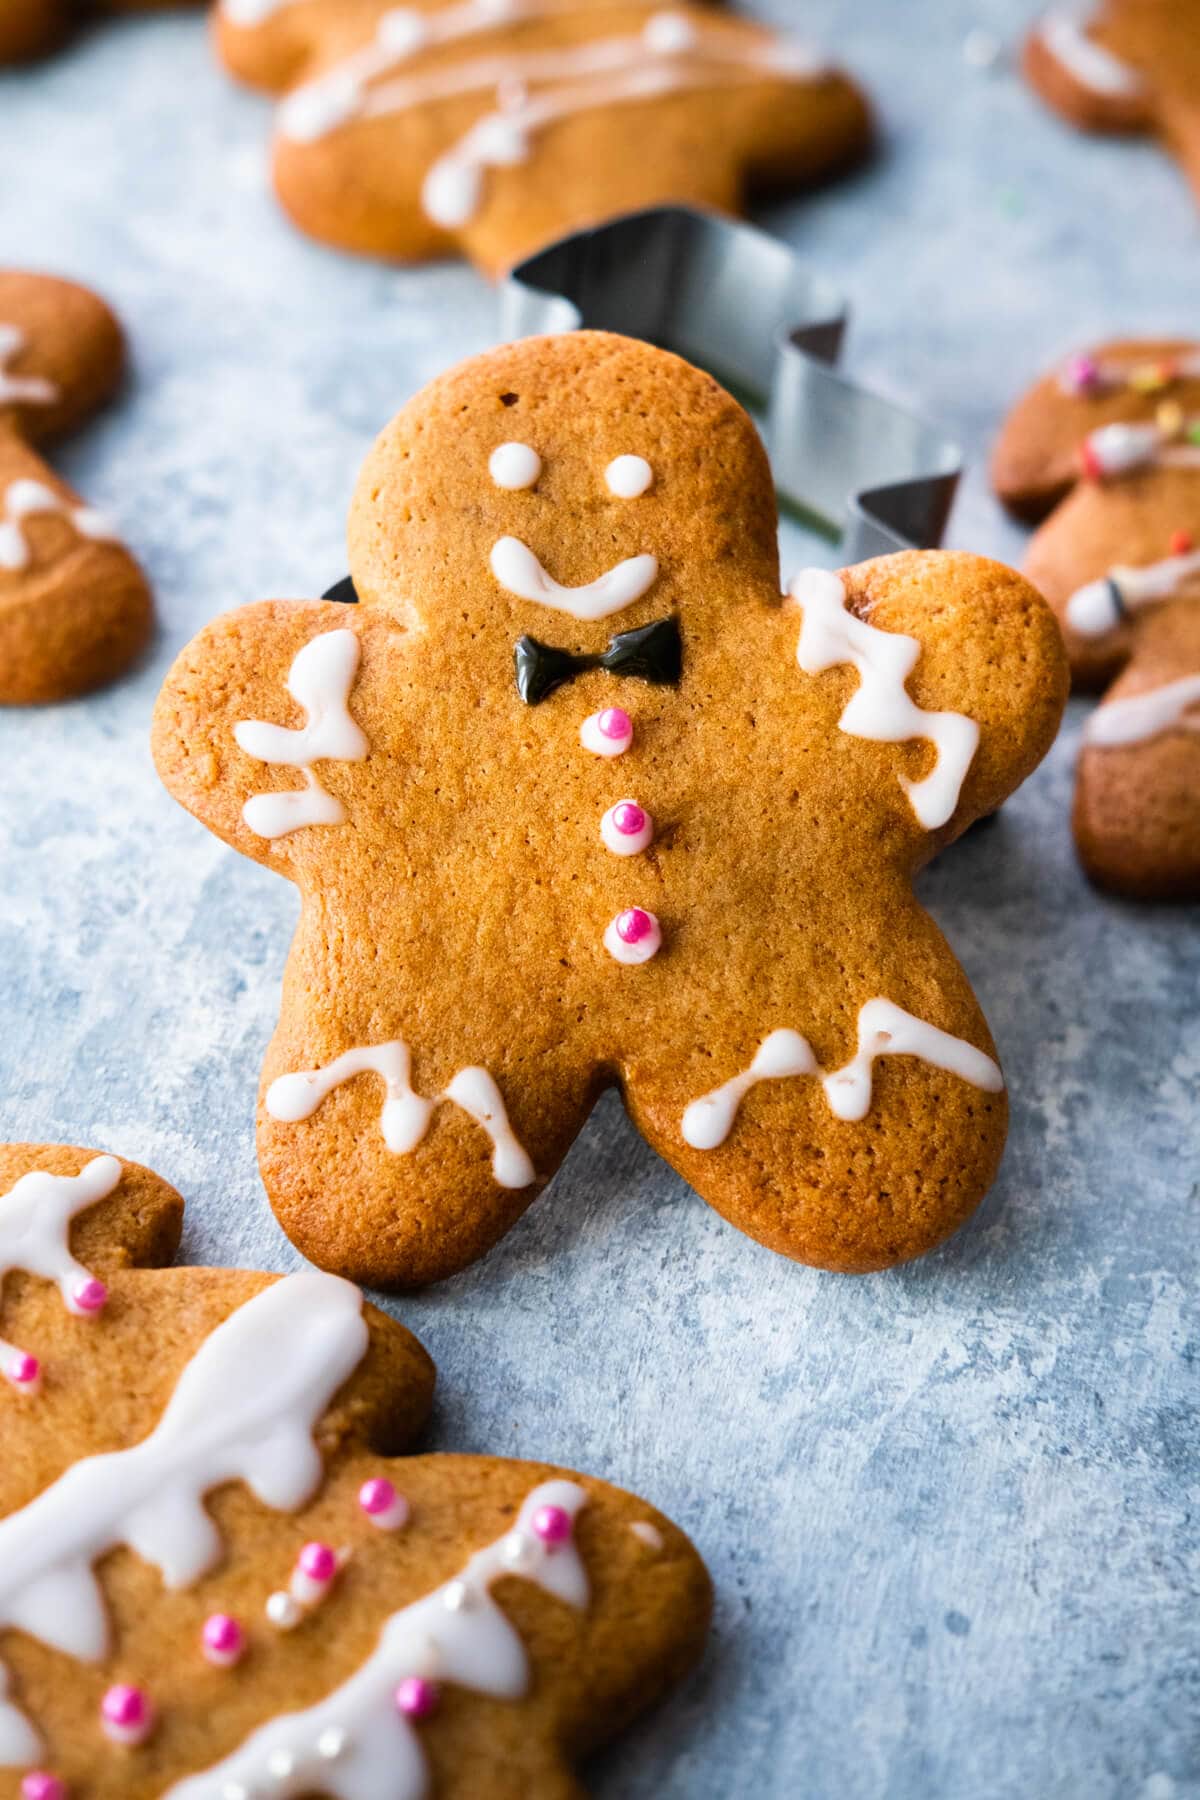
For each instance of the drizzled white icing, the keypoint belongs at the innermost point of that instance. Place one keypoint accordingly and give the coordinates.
(22, 499)
(21, 390)
(354, 1745)
(881, 709)
(406, 1114)
(514, 466)
(670, 55)
(320, 680)
(1138, 717)
(884, 1029)
(519, 572)
(1119, 449)
(1063, 33)
(35, 1228)
(244, 1409)
(628, 477)
(1099, 606)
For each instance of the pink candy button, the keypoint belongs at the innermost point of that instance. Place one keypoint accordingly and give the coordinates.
(633, 936)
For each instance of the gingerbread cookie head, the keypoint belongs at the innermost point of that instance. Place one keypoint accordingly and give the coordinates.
(74, 606)
(1123, 66)
(575, 798)
(1113, 436)
(496, 126)
(213, 1583)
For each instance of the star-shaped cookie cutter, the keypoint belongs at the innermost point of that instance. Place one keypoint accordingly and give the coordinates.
(740, 304)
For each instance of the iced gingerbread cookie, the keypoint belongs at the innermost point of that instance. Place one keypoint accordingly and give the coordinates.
(1125, 66)
(574, 799)
(30, 28)
(1109, 445)
(74, 606)
(495, 126)
(214, 1585)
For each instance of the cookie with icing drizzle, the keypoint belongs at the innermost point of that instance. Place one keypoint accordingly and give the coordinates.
(474, 962)
(215, 1441)
(495, 126)
(75, 609)
(1105, 451)
(1124, 66)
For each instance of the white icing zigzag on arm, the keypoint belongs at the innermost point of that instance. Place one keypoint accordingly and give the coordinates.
(22, 499)
(355, 1744)
(881, 709)
(1063, 34)
(244, 1408)
(21, 390)
(35, 1227)
(883, 1030)
(406, 1114)
(320, 680)
(1136, 718)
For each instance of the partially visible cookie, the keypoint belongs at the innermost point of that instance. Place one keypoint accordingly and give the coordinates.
(75, 609)
(1113, 436)
(31, 28)
(1124, 66)
(495, 126)
(214, 1584)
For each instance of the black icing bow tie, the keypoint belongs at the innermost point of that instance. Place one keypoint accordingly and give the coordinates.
(651, 653)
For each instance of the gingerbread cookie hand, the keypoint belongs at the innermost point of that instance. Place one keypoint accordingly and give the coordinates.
(211, 1581)
(74, 606)
(620, 814)
(495, 128)
(1115, 432)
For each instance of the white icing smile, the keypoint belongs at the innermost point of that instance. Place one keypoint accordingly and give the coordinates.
(519, 572)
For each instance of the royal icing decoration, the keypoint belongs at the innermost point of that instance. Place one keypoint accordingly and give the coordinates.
(628, 477)
(881, 709)
(519, 572)
(1063, 33)
(1087, 375)
(514, 466)
(672, 54)
(1139, 717)
(35, 1232)
(607, 733)
(359, 1743)
(1099, 606)
(626, 828)
(1115, 450)
(244, 1409)
(406, 1114)
(647, 1534)
(633, 937)
(21, 390)
(883, 1030)
(320, 680)
(22, 500)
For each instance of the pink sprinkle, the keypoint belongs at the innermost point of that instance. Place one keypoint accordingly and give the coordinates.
(37, 1785)
(629, 818)
(318, 1562)
(615, 722)
(24, 1369)
(417, 1698)
(1081, 374)
(126, 1714)
(223, 1640)
(91, 1295)
(634, 925)
(552, 1524)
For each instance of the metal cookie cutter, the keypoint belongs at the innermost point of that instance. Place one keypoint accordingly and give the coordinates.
(739, 304)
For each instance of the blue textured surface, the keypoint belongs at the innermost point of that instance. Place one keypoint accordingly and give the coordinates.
(951, 1511)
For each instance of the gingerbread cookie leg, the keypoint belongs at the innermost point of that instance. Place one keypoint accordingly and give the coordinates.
(74, 607)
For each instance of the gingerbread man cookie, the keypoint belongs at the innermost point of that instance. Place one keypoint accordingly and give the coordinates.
(573, 799)
(74, 606)
(1124, 66)
(30, 28)
(212, 1584)
(495, 126)
(1111, 442)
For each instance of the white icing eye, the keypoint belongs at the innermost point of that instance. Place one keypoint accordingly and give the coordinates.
(514, 466)
(629, 476)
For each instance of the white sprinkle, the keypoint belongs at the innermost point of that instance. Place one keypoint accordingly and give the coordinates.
(284, 1611)
(331, 1743)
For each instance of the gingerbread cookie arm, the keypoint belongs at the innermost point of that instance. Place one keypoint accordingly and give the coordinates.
(1078, 69)
(1137, 812)
(947, 651)
(261, 725)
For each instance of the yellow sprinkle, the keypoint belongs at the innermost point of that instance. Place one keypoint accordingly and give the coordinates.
(1169, 418)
